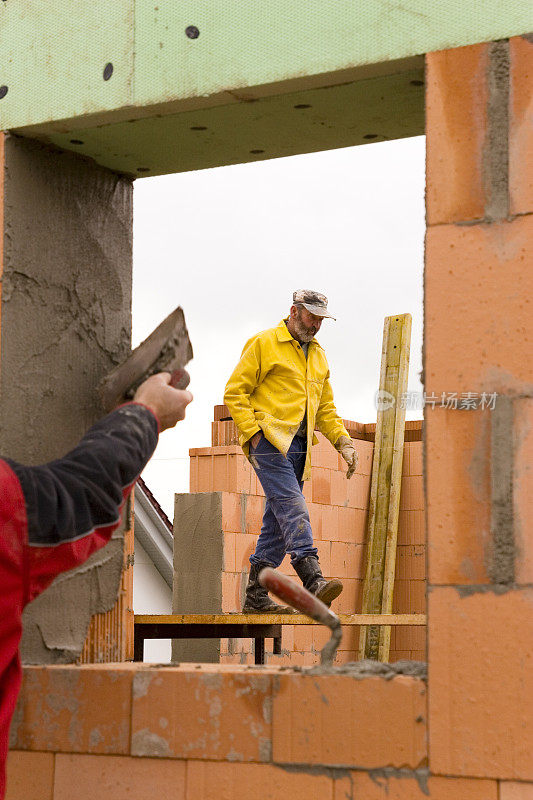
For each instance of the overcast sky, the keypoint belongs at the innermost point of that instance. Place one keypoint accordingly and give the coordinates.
(230, 245)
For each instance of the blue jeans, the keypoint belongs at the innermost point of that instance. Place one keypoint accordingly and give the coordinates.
(286, 527)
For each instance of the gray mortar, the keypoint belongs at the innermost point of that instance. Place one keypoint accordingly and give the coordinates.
(198, 566)
(369, 669)
(361, 669)
(380, 776)
(244, 503)
(66, 321)
(335, 773)
(56, 623)
(496, 150)
(147, 743)
(501, 554)
(468, 590)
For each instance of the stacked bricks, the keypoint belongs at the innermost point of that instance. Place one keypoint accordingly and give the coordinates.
(478, 289)
(224, 430)
(338, 511)
(129, 731)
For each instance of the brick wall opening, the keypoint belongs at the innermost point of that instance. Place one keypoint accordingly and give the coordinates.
(223, 481)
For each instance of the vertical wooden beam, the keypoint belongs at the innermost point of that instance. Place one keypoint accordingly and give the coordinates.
(395, 489)
(386, 484)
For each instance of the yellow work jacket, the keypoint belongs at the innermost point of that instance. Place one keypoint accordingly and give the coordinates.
(273, 384)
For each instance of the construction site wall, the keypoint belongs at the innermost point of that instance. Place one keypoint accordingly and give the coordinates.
(479, 481)
(65, 281)
(232, 732)
(217, 525)
(213, 732)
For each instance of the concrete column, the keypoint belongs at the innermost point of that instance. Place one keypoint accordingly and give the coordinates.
(65, 321)
(198, 568)
(479, 484)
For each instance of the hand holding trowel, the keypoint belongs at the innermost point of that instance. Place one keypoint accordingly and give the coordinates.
(167, 349)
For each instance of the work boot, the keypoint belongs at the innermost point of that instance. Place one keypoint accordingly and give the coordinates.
(257, 600)
(309, 572)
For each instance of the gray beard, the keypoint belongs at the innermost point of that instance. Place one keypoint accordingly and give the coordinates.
(302, 333)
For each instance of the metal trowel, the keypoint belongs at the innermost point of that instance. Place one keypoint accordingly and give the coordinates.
(167, 349)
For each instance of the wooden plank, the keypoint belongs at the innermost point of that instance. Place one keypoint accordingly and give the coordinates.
(395, 488)
(386, 479)
(277, 619)
(371, 584)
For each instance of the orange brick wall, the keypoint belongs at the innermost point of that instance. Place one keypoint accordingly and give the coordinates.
(338, 510)
(478, 290)
(202, 732)
(230, 732)
(209, 732)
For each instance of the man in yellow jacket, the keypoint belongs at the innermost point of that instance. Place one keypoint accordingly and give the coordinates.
(278, 393)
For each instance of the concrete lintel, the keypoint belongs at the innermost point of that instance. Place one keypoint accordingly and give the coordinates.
(120, 78)
(131, 112)
(340, 114)
(57, 65)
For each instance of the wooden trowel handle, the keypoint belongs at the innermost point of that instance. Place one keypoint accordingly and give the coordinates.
(296, 596)
(180, 379)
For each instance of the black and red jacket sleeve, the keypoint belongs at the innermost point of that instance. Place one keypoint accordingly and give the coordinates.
(52, 517)
(73, 504)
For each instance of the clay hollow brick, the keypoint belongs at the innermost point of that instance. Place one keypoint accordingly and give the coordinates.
(523, 488)
(479, 284)
(188, 713)
(217, 713)
(338, 511)
(520, 125)
(393, 736)
(122, 778)
(481, 683)
(30, 776)
(509, 790)
(456, 103)
(74, 710)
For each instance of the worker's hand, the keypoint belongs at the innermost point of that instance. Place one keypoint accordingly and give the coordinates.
(345, 447)
(168, 404)
(254, 441)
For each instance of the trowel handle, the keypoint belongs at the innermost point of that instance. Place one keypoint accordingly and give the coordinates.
(296, 596)
(180, 379)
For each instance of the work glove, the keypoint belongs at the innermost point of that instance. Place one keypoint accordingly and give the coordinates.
(345, 447)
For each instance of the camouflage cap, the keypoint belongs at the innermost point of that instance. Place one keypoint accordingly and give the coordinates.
(314, 302)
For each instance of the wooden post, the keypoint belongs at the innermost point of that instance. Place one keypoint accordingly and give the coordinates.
(386, 484)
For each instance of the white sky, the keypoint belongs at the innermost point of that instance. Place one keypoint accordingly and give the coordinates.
(230, 245)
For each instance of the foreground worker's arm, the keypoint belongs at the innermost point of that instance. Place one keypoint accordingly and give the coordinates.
(72, 505)
(244, 379)
(52, 517)
(331, 425)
